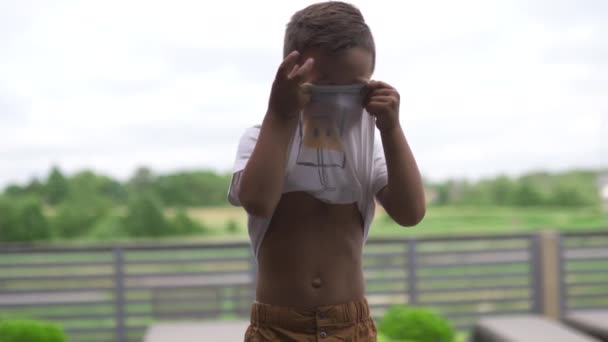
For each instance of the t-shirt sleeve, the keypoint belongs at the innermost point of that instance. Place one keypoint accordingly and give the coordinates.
(379, 173)
(244, 150)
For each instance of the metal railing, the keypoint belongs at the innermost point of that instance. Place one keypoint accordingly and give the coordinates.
(584, 271)
(114, 293)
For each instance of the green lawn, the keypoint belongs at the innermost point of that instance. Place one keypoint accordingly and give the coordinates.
(450, 220)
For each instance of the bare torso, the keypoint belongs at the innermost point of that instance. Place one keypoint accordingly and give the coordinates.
(311, 254)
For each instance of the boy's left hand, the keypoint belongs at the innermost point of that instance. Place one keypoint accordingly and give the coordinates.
(382, 101)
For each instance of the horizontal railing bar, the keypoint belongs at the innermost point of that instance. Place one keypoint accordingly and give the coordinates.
(165, 314)
(152, 246)
(462, 264)
(77, 316)
(56, 264)
(386, 292)
(476, 300)
(473, 289)
(377, 268)
(473, 276)
(186, 261)
(586, 271)
(59, 277)
(384, 279)
(58, 303)
(55, 290)
(453, 315)
(473, 251)
(587, 283)
(463, 237)
(130, 276)
(95, 330)
(233, 284)
(386, 254)
(575, 308)
(590, 259)
(588, 296)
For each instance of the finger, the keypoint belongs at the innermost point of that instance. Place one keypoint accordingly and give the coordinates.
(383, 99)
(375, 108)
(381, 84)
(293, 71)
(288, 63)
(300, 74)
(374, 88)
(384, 92)
(377, 104)
(373, 85)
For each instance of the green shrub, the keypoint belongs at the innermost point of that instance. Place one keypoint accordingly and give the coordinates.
(401, 323)
(25, 330)
(109, 227)
(76, 216)
(145, 217)
(182, 224)
(21, 219)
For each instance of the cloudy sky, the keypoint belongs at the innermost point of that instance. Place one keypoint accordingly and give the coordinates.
(488, 87)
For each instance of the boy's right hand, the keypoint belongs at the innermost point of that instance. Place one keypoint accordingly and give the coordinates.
(289, 92)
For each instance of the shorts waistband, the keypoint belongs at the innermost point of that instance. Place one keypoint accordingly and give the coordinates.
(308, 321)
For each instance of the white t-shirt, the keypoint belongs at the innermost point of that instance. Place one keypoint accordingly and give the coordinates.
(356, 176)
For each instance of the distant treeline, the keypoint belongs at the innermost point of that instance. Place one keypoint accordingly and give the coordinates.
(91, 205)
(196, 188)
(208, 188)
(566, 189)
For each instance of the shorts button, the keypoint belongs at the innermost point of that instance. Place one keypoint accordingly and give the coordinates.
(323, 334)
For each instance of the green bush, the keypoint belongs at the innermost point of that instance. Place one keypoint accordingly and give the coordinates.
(182, 224)
(145, 217)
(25, 330)
(109, 227)
(401, 323)
(76, 216)
(21, 219)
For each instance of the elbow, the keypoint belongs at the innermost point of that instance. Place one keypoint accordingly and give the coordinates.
(412, 217)
(256, 205)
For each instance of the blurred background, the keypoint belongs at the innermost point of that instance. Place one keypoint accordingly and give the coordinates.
(119, 120)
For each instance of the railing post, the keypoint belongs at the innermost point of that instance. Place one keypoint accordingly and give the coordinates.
(119, 295)
(536, 275)
(551, 275)
(411, 272)
(563, 298)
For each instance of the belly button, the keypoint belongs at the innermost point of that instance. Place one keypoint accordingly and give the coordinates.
(316, 283)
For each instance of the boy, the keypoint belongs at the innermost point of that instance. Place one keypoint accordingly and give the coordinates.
(308, 242)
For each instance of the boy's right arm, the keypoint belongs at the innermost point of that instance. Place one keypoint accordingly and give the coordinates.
(261, 183)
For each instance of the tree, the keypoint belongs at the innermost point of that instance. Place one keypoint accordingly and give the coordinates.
(502, 191)
(145, 217)
(526, 194)
(78, 215)
(56, 187)
(142, 180)
(182, 224)
(22, 220)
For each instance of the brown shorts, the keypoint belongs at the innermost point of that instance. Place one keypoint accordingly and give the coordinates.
(349, 322)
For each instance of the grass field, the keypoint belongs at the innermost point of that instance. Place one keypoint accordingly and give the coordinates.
(439, 221)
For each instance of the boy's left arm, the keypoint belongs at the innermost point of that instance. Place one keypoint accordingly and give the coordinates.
(403, 197)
